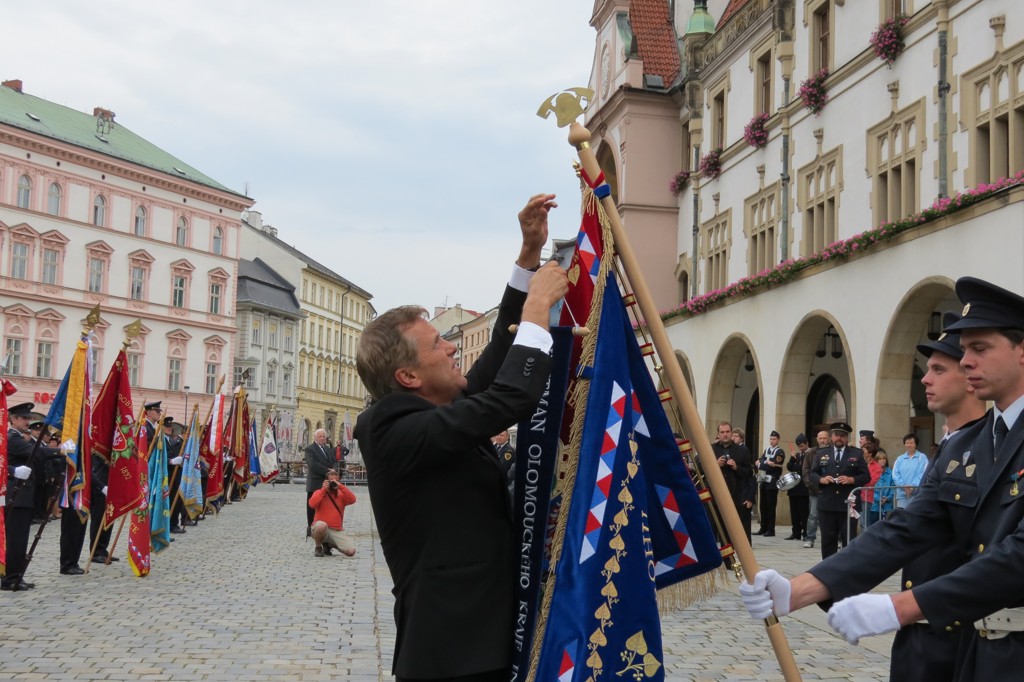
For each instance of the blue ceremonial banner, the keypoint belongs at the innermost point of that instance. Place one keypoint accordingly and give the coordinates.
(536, 457)
(254, 456)
(635, 522)
(159, 505)
(191, 488)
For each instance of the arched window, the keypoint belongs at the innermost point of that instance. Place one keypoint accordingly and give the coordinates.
(218, 241)
(140, 221)
(24, 191)
(99, 211)
(54, 199)
(181, 233)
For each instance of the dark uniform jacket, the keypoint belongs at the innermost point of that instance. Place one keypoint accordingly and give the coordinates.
(19, 451)
(441, 504)
(920, 653)
(770, 463)
(970, 501)
(832, 497)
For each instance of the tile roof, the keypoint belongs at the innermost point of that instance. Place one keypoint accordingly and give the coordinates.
(261, 285)
(58, 122)
(731, 9)
(656, 39)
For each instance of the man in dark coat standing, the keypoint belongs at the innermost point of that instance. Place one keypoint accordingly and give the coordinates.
(438, 492)
(319, 460)
(837, 470)
(737, 465)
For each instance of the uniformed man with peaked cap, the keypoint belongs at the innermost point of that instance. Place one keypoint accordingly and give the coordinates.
(21, 496)
(973, 499)
(837, 470)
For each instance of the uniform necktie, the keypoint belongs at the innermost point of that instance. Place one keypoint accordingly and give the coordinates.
(1001, 431)
(839, 454)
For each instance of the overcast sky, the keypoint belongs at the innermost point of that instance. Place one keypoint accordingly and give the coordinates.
(393, 141)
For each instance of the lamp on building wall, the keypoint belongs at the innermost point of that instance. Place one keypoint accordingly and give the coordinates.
(835, 342)
(748, 361)
(934, 325)
(820, 351)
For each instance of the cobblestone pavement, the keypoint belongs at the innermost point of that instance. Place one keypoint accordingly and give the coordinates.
(241, 597)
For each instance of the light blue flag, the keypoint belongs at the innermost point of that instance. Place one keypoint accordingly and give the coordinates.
(159, 504)
(191, 488)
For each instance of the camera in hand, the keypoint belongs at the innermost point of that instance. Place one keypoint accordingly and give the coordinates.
(333, 485)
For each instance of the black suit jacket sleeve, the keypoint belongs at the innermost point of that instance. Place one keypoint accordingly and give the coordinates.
(483, 371)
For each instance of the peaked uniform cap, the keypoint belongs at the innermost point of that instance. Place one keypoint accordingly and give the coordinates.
(987, 306)
(21, 410)
(841, 426)
(948, 343)
(153, 406)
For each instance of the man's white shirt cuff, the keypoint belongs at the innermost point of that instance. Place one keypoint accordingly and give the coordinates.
(520, 278)
(533, 336)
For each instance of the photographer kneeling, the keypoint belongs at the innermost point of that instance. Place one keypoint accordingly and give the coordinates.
(329, 505)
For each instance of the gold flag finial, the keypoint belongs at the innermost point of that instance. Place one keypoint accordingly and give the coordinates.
(131, 331)
(568, 105)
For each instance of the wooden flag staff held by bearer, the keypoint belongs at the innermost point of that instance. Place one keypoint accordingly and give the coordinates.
(567, 107)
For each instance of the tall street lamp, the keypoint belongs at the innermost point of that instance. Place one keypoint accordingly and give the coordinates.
(185, 418)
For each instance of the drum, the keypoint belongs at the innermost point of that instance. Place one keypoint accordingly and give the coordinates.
(790, 480)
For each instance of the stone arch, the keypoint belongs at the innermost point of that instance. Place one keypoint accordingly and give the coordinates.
(803, 367)
(733, 388)
(906, 329)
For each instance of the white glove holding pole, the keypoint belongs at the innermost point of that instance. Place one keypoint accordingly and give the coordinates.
(175, 461)
(22, 472)
(769, 593)
(863, 616)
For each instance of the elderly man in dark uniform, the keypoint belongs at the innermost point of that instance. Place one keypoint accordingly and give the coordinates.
(21, 496)
(837, 470)
(438, 493)
(972, 499)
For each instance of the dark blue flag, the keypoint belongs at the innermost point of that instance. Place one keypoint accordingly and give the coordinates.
(634, 524)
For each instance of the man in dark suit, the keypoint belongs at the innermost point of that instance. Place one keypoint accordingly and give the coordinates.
(319, 460)
(972, 499)
(737, 465)
(438, 492)
(837, 470)
(22, 479)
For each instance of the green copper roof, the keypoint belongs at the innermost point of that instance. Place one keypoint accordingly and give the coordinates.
(700, 21)
(58, 122)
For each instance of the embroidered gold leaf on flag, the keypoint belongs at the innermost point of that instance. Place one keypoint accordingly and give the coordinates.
(617, 543)
(609, 591)
(612, 565)
(637, 643)
(622, 519)
(602, 613)
(632, 468)
(625, 496)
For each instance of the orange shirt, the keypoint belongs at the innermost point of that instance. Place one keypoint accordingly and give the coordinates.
(325, 511)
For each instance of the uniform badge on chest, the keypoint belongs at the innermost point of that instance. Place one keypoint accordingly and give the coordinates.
(953, 464)
(969, 470)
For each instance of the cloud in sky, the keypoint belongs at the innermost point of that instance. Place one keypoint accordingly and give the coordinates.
(393, 141)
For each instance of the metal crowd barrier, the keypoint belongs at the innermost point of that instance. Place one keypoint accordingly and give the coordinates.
(885, 507)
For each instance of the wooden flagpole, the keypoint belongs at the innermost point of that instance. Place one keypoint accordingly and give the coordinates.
(579, 137)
